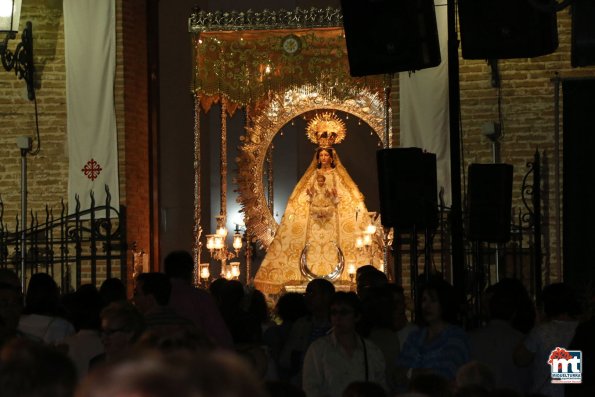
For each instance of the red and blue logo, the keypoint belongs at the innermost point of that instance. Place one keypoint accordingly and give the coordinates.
(566, 365)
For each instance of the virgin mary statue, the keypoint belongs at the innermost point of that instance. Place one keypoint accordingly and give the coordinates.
(326, 230)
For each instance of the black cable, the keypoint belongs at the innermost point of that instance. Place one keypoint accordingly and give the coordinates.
(500, 117)
(38, 148)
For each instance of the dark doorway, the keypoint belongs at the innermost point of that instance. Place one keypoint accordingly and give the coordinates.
(579, 181)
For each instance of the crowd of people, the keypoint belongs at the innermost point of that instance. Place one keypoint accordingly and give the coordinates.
(173, 339)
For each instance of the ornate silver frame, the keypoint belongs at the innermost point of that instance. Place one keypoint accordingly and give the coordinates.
(203, 21)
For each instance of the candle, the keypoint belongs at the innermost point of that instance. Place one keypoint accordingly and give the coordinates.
(221, 231)
(235, 269)
(204, 271)
(210, 242)
(359, 242)
(218, 242)
(237, 241)
(351, 269)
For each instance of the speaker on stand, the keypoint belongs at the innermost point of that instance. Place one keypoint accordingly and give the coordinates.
(489, 198)
(408, 188)
(408, 201)
(490, 202)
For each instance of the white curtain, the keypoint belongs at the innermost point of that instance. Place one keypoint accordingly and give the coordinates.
(424, 107)
(90, 45)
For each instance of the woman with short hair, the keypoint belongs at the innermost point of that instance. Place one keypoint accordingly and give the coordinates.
(336, 360)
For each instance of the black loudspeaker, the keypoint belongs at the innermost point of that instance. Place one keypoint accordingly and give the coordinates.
(583, 33)
(387, 36)
(490, 202)
(502, 29)
(407, 186)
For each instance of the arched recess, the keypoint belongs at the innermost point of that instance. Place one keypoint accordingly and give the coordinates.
(268, 121)
(275, 65)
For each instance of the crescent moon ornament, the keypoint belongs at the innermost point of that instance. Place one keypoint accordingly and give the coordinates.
(332, 276)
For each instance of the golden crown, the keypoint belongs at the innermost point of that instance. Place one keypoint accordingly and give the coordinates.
(326, 129)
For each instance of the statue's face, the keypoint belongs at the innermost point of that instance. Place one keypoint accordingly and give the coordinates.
(324, 157)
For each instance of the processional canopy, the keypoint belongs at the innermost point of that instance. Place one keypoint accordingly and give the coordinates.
(276, 65)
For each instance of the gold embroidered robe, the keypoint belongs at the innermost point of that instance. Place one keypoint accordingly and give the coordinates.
(322, 223)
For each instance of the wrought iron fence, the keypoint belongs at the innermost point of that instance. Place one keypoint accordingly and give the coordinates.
(485, 263)
(85, 246)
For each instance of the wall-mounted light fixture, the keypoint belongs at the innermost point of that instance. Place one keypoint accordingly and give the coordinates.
(21, 60)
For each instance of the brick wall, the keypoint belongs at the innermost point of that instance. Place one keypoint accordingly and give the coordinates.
(528, 119)
(48, 171)
(135, 109)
